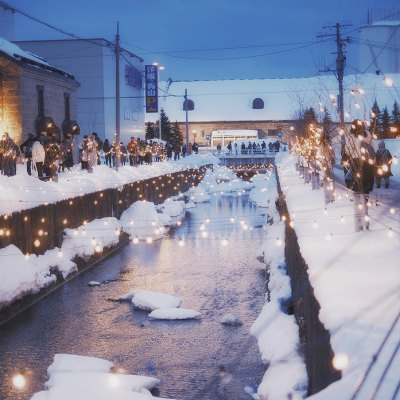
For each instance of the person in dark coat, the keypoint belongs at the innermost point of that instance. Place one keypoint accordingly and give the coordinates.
(66, 158)
(9, 153)
(26, 148)
(383, 165)
(107, 152)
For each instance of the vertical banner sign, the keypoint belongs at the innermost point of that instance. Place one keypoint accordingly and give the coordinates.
(151, 77)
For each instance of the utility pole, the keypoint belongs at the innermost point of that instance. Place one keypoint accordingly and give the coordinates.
(187, 123)
(340, 65)
(117, 103)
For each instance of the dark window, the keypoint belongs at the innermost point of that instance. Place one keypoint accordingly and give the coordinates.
(133, 77)
(258, 104)
(67, 109)
(40, 98)
(190, 105)
(273, 132)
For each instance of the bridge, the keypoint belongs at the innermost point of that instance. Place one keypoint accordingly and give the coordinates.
(246, 159)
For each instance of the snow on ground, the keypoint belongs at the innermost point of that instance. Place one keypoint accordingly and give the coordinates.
(174, 313)
(355, 276)
(276, 331)
(231, 319)
(148, 300)
(83, 378)
(22, 191)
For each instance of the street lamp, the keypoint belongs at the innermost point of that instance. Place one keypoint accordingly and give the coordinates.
(160, 68)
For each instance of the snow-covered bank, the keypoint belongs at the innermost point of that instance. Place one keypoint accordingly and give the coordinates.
(22, 191)
(355, 276)
(276, 331)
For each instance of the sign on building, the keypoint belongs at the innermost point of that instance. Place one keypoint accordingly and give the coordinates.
(151, 77)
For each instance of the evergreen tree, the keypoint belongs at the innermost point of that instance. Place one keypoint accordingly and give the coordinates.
(151, 131)
(375, 118)
(176, 134)
(327, 126)
(395, 119)
(384, 122)
(166, 133)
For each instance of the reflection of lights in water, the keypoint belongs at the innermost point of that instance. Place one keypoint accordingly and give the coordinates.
(19, 381)
(340, 361)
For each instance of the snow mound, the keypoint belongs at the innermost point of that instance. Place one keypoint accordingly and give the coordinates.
(142, 220)
(174, 313)
(198, 194)
(129, 382)
(173, 208)
(75, 363)
(148, 300)
(231, 319)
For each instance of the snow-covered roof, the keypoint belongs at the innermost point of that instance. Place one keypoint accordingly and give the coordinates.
(15, 52)
(385, 22)
(232, 100)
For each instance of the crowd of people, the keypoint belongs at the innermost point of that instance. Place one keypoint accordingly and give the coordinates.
(250, 148)
(46, 156)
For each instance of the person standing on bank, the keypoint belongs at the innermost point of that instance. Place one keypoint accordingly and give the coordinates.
(91, 153)
(38, 155)
(383, 162)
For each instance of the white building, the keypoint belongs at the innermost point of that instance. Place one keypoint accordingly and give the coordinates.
(379, 43)
(92, 62)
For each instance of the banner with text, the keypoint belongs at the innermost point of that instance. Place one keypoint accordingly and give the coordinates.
(151, 77)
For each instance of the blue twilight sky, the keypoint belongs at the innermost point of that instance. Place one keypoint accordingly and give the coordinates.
(210, 39)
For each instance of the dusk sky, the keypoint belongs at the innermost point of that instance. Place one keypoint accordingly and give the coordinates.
(210, 39)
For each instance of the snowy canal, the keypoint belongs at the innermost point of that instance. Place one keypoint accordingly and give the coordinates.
(210, 275)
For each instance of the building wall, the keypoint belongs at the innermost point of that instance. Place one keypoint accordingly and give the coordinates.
(92, 62)
(199, 130)
(131, 99)
(10, 107)
(54, 89)
(19, 102)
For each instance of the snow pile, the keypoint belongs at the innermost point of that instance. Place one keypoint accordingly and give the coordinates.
(174, 313)
(91, 238)
(231, 319)
(173, 210)
(82, 378)
(223, 180)
(28, 274)
(148, 300)
(264, 193)
(198, 194)
(355, 277)
(142, 220)
(286, 374)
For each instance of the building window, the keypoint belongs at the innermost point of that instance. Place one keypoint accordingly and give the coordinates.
(258, 104)
(40, 99)
(190, 105)
(134, 115)
(273, 132)
(203, 134)
(127, 113)
(67, 108)
(133, 77)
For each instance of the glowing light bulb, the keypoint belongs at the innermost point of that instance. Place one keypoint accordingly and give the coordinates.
(97, 249)
(390, 233)
(342, 219)
(283, 218)
(181, 243)
(60, 253)
(278, 242)
(113, 381)
(392, 210)
(207, 220)
(291, 224)
(340, 361)
(36, 243)
(149, 240)
(224, 242)
(202, 227)
(232, 219)
(19, 381)
(204, 234)
(179, 223)
(135, 240)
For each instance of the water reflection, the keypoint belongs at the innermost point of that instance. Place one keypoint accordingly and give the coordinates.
(185, 355)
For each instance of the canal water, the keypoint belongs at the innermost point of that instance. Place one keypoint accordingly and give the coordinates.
(208, 276)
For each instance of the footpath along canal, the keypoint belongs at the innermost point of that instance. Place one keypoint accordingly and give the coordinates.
(208, 276)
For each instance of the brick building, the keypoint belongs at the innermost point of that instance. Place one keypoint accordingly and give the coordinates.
(34, 96)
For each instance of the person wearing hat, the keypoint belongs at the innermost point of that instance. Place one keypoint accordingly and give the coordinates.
(383, 163)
